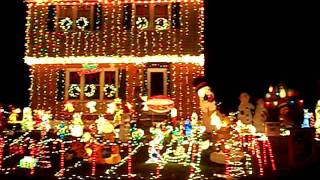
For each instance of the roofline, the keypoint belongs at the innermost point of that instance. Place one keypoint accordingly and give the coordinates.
(116, 59)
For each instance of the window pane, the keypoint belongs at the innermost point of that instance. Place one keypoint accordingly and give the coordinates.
(92, 86)
(110, 88)
(142, 10)
(157, 83)
(74, 86)
(161, 10)
(93, 78)
(65, 11)
(84, 11)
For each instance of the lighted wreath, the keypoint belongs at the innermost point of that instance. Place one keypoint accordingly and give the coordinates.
(142, 23)
(90, 90)
(74, 90)
(66, 24)
(162, 24)
(109, 90)
(82, 23)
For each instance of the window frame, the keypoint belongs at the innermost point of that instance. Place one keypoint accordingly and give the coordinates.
(152, 16)
(74, 18)
(82, 85)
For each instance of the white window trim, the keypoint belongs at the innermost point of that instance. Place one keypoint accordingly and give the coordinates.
(82, 83)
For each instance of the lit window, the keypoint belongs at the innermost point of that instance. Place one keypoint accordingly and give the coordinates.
(75, 18)
(102, 85)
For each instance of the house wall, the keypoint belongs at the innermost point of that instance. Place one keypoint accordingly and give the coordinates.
(113, 39)
(44, 88)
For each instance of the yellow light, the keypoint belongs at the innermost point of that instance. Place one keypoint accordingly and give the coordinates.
(215, 120)
(283, 93)
(270, 89)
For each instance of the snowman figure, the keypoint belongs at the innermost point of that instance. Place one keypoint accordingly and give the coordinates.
(77, 125)
(245, 109)
(260, 116)
(103, 125)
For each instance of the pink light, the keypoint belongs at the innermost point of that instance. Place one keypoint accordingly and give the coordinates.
(264, 153)
(271, 155)
(1, 151)
(62, 159)
(158, 166)
(257, 148)
(129, 160)
(192, 158)
(94, 158)
(227, 159)
(32, 153)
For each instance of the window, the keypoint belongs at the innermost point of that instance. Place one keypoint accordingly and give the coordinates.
(75, 18)
(92, 86)
(100, 85)
(157, 81)
(152, 16)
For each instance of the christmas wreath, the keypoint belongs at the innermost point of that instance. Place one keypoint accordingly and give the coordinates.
(92, 91)
(82, 23)
(162, 24)
(74, 90)
(109, 90)
(66, 24)
(142, 23)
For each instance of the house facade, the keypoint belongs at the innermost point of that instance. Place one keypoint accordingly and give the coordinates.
(98, 50)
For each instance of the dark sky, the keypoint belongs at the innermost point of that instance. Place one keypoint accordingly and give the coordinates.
(248, 47)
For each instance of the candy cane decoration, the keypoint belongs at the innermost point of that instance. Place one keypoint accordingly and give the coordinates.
(264, 146)
(129, 160)
(271, 155)
(32, 153)
(62, 151)
(257, 149)
(94, 159)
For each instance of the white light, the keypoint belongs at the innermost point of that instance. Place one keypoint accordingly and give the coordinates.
(115, 59)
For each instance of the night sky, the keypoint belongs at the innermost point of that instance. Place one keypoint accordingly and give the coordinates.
(248, 47)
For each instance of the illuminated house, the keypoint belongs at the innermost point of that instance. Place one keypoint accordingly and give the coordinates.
(83, 50)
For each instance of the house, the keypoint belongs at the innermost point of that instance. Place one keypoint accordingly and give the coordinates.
(98, 50)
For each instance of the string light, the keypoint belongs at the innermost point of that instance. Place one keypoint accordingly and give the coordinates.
(1, 151)
(264, 149)
(32, 154)
(62, 151)
(258, 155)
(94, 159)
(273, 165)
(124, 59)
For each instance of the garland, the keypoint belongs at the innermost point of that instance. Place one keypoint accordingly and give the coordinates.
(74, 90)
(66, 24)
(142, 23)
(109, 90)
(162, 24)
(82, 23)
(92, 90)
